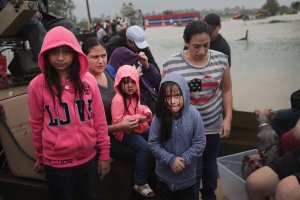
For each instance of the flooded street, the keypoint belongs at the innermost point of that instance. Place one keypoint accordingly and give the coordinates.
(265, 68)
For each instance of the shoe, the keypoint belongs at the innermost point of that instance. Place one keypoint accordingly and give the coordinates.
(144, 190)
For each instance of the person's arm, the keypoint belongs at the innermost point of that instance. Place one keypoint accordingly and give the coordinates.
(227, 51)
(297, 130)
(164, 157)
(36, 118)
(100, 123)
(227, 100)
(145, 110)
(199, 139)
(150, 73)
(150, 57)
(126, 125)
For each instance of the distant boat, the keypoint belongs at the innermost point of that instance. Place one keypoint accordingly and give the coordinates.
(261, 14)
(292, 11)
(174, 19)
(241, 16)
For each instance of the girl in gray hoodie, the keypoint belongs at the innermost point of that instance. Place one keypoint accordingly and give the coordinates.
(176, 139)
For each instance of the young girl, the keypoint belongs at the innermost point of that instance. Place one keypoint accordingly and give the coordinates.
(176, 139)
(207, 73)
(126, 105)
(67, 119)
(149, 79)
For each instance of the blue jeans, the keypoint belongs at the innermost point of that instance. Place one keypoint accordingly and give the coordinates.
(65, 183)
(142, 162)
(285, 120)
(207, 169)
(121, 151)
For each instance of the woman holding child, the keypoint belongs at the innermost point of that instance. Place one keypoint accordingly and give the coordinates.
(97, 57)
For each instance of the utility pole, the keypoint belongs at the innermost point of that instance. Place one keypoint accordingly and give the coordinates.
(89, 15)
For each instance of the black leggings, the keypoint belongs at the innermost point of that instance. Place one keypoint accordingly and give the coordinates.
(65, 183)
(166, 194)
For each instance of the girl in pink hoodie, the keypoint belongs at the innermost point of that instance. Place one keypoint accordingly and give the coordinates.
(126, 105)
(67, 119)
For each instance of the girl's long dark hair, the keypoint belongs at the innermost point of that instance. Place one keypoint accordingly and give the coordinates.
(52, 78)
(163, 113)
(124, 95)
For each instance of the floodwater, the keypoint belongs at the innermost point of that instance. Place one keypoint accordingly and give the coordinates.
(265, 68)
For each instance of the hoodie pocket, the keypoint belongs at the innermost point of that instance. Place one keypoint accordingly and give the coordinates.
(64, 146)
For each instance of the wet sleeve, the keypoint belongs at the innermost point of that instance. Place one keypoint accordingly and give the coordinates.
(159, 152)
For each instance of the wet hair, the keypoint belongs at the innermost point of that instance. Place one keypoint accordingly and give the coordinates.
(124, 95)
(195, 27)
(163, 113)
(53, 79)
(90, 43)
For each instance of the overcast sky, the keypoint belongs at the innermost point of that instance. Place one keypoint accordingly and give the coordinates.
(112, 7)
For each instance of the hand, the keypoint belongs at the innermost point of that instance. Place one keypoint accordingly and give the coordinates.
(38, 15)
(103, 167)
(225, 128)
(38, 168)
(148, 115)
(142, 119)
(129, 124)
(144, 60)
(178, 165)
(140, 70)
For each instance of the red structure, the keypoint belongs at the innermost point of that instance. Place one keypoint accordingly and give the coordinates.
(177, 19)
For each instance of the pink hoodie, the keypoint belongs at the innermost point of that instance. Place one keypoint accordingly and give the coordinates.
(70, 135)
(117, 105)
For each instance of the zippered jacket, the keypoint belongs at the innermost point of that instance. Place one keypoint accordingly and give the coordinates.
(187, 140)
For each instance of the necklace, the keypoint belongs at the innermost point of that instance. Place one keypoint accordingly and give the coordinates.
(67, 87)
(66, 84)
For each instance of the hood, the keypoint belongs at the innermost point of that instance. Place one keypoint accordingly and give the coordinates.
(123, 56)
(60, 36)
(183, 86)
(127, 71)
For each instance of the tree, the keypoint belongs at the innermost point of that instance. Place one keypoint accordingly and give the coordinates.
(295, 5)
(271, 6)
(62, 8)
(166, 12)
(283, 9)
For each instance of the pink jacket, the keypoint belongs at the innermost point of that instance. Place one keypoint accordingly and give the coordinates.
(70, 135)
(117, 105)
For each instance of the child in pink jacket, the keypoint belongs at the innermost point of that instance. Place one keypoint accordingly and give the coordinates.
(126, 105)
(67, 119)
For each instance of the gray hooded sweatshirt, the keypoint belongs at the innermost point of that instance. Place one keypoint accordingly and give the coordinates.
(187, 141)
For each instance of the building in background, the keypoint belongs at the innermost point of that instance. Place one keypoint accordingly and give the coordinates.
(174, 19)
